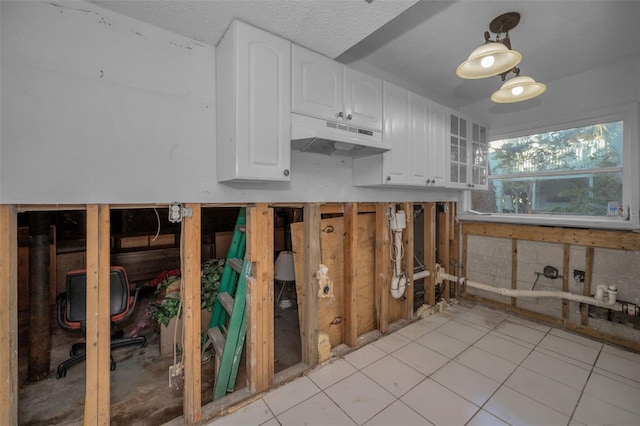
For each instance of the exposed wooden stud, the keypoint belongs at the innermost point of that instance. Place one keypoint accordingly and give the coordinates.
(623, 240)
(514, 267)
(430, 252)
(455, 245)
(350, 330)
(97, 408)
(408, 241)
(383, 267)
(8, 315)
(443, 246)
(463, 267)
(566, 252)
(191, 305)
(588, 276)
(311, 260)
(260, 315)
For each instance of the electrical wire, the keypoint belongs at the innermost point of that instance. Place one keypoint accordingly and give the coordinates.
(157, 217)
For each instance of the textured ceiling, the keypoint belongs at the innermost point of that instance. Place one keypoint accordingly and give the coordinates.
(419, 45)
(327, 26)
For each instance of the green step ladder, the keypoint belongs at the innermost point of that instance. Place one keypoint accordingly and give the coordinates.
(228, 325)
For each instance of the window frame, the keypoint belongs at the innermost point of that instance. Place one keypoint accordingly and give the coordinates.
(628, 114)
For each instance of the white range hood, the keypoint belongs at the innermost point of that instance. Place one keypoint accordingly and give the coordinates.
(320, 136)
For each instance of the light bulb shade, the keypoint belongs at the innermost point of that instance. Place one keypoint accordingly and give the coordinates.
(519, 88)
(284, 270)
(488, 60)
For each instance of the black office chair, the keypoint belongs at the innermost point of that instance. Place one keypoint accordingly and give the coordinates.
(72, 304)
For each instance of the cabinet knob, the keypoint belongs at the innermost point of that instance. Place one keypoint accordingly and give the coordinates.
(349, 117)
(388, 179)
(340, 115)
(286, 172)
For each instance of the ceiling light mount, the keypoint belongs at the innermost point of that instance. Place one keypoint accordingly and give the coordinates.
(504, 23)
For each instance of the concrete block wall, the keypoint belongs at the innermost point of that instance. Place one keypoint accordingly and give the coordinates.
(489, 262)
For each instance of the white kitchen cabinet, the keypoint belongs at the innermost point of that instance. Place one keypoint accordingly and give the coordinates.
(253, 103)
(324, 88)
(415, 128)
(390, 168)
(437, 152)
(468, 153)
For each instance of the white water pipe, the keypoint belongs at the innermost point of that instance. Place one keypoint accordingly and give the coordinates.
(616, 306)
(399, 280)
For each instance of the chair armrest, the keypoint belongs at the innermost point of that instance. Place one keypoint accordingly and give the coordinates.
(131, 309)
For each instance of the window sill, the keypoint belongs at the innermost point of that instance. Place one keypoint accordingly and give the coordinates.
(563, 221)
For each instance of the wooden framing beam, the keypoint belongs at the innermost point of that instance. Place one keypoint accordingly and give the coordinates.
(383, 267)
(97, 407)
(588, 276)
(260, 315)
(311, 260)
(566, 253)
(8, 315)
(408, 242)
(444, 246)
(514, 267)
(430, 252)
(623, 240)
(190, 256)
(455, 245)
(350, 330)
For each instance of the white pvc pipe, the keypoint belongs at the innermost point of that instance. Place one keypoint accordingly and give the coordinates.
(399, 280)
(616, 306)
(420, 275)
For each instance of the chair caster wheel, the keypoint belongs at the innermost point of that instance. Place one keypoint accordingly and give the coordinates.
(113, 365)
(61, 373)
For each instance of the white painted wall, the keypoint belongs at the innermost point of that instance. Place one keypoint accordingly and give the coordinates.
(100, 108)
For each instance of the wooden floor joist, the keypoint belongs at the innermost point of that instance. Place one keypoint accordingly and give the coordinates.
(190, 256)
(8, 315)
(97, 407)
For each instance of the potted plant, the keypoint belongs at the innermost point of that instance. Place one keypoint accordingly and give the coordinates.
(168, 289)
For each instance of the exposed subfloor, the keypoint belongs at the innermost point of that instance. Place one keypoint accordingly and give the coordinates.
(140, 392)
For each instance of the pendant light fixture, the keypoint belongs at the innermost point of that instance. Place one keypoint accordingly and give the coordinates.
(497, 58)
(518, 88)
(493, 57)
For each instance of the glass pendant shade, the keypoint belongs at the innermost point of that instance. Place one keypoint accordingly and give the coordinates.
(519, 88)
(490, 59)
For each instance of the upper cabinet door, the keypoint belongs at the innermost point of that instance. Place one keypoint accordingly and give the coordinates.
(253, 105)
(438, 144)
(479, 154)
(316, 85)
(396, 134)
(417, 155)
(362, 99)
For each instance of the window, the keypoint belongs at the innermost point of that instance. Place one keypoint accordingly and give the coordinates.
(575, 171)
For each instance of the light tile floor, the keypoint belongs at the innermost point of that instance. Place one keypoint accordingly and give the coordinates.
(467, 366)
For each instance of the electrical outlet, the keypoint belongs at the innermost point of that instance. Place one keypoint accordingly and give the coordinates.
(578, 275)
